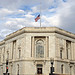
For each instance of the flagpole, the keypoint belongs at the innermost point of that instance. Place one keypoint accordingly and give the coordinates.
(40, 13)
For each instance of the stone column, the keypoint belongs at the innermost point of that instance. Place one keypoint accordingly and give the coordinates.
(52, 46)
(57, 47)
(33, 46)
(72, 51)
(65, 56)
(10, 52)
(47, 47)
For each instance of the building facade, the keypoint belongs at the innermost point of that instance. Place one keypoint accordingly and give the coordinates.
(29, 51)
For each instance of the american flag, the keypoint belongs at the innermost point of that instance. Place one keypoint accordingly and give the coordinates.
(37, 18)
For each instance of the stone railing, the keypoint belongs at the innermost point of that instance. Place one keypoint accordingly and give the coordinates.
(35, 74)
(40, 74)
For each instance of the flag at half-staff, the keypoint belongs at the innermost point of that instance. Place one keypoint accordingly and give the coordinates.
(37, 18)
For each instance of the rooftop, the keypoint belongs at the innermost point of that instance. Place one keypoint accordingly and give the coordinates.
(40, 30)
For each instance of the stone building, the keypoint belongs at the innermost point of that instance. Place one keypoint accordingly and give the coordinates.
(30, 49)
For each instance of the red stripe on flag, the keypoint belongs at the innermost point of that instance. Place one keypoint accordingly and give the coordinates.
(37, 18)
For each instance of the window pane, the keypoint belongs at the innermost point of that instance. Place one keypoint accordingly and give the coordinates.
(40, 49)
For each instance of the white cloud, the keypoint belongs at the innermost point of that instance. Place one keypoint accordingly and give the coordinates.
(35, 9)
(66, 12)
(28, 16)
(3, 33)
(14, 4)
(4, 12)
(51, 21)
(12, 18)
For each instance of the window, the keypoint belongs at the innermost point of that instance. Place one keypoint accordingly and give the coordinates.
(39, 68)
(4, 54)
(19, 53)
(71, 70)
(14, 44)
(61, 69)
(14, 47)
(7, 54)
(61, 54)
(68, 48)
(40, 49)
(11, 69)
(18, 69)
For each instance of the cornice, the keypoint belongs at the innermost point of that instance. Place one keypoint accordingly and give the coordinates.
(40, 30)
(14, 34)
(2, 42)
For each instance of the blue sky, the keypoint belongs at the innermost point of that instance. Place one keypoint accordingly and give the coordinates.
(16, 14)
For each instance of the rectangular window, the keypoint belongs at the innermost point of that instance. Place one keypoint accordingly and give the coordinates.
(19, 53)
(39, 68)
(7, 55)
(14, 44)
(4, 54)
(61, 54)
(14, 47)
(71, 70)
(61, 69)
(68, 48)
(11, 70)
(18, 69)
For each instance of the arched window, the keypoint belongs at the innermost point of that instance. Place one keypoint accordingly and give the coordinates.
(40, 48)
(62, 69)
